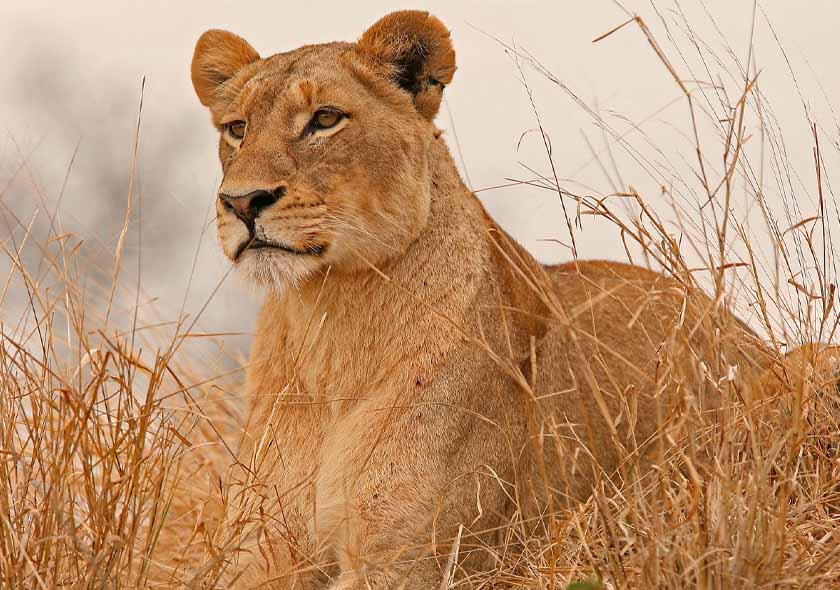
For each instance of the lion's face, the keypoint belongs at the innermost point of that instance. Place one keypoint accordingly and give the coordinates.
(324, 149)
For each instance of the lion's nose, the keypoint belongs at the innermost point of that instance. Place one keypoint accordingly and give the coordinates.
(248, 207)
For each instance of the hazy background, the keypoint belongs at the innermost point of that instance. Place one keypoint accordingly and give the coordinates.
(72, 76)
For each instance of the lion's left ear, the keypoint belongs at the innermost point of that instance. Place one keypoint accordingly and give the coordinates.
(414, 50)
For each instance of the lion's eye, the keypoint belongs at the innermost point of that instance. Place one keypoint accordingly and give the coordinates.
(236, 129)
(324, 119)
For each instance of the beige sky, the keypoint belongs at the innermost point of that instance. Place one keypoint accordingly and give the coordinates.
(75, 71)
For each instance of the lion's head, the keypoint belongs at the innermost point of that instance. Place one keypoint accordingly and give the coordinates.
(325, 148)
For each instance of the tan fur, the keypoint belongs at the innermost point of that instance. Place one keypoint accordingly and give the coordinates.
(423, 372)
(808, 368)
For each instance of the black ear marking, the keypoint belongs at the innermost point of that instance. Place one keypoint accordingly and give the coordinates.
(409, 69)
(413, 50)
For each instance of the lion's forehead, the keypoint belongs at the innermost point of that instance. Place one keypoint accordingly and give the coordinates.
(307, 61)
(299, 76)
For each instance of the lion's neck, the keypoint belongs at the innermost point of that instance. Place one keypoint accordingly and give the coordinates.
(390, 323)
(348, 335)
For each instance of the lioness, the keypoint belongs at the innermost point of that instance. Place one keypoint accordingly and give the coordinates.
(416, 376)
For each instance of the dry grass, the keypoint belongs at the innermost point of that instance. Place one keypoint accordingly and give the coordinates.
(113, 437)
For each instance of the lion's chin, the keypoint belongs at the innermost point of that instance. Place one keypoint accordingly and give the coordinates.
(274, 270)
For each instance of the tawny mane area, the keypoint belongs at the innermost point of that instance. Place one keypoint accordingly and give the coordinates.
(417, 376)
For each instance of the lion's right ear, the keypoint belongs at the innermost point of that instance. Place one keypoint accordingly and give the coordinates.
(218, 56)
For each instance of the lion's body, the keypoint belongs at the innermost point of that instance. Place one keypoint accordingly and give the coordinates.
(443, 378)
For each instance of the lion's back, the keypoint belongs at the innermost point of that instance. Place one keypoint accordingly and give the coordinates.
(628, 340)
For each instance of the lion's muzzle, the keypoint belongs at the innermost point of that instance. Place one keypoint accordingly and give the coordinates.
(247, 207)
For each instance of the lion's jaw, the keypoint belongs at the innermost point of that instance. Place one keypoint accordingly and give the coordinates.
(352, 195)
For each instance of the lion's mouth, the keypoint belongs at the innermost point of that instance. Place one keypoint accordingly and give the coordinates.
(261, 244)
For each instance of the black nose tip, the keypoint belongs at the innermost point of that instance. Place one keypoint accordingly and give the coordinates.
(248, 207)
